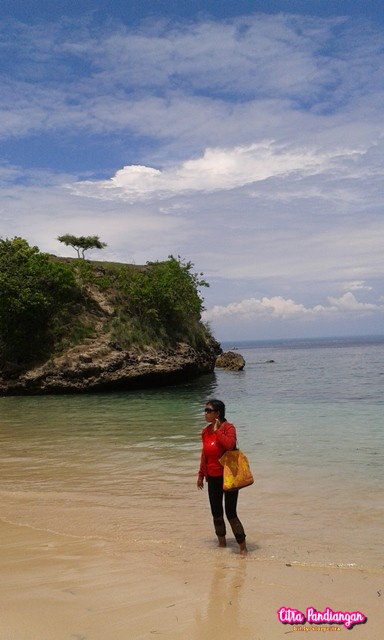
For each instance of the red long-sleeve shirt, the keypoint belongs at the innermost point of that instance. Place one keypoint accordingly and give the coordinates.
(215, 444)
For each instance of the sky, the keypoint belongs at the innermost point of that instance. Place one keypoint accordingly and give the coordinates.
(245, 137)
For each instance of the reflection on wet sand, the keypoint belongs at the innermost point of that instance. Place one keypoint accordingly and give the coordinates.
(222, 614)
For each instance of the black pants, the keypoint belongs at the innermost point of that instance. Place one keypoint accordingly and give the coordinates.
(216, 495)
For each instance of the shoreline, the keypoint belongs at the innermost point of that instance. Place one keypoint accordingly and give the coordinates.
(58, 587)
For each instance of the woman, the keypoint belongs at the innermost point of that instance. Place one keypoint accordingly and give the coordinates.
(218, 437)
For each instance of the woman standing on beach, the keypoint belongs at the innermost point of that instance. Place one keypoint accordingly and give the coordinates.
(218, 437)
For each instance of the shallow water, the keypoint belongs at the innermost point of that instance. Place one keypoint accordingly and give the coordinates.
(122, 467)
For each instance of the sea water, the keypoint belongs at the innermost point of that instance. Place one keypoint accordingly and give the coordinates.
(122, 466)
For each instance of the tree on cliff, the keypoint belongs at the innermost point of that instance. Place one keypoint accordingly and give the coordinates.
(34, 291)
(82, 243)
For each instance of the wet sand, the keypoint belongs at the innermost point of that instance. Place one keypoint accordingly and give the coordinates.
(66, 587)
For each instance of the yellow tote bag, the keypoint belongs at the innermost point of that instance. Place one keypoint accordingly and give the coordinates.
(237, 472)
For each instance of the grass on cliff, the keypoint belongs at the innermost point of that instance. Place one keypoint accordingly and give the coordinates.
(49, 304)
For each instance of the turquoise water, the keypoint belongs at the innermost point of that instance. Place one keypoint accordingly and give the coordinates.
(123, 466)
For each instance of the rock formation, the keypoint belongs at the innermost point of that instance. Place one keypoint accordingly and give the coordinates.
(101, 363)
(230, 360)
(99, 366)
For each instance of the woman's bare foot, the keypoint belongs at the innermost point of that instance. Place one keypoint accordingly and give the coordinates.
(243, 548)
(222, 541)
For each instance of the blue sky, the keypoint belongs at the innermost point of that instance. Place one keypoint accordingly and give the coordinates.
(244, 136)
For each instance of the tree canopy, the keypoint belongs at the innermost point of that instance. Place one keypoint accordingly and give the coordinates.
(163, 301)
(81, 243)
(33, 290)
(48, 304)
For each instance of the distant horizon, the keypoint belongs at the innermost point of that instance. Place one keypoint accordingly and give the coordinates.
(362, 337)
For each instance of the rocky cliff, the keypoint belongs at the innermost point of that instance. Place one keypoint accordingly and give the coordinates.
(101, 364)
(104, 361)
(98, 366)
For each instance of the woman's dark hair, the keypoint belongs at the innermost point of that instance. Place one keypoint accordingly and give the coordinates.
(218, 405)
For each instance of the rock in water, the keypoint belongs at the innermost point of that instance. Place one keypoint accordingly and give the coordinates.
(230, 360)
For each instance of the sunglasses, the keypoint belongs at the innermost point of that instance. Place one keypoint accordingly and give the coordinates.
(208, 410)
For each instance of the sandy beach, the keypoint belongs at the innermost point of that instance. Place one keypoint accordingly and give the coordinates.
(106, 537)
(60, 587)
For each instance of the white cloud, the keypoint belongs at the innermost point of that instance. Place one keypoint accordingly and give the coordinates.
(348, 303)
(281, 308)
(356, 285)
(205, 78)
(277, 307)
(217, 169)
(9, 174)
(252, 146)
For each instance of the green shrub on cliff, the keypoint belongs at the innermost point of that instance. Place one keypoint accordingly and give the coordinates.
(34, 295)
(47, 304)
(161, 304)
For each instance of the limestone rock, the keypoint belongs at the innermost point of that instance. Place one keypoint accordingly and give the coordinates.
(101, 363)
(100, 366)
(230, 360)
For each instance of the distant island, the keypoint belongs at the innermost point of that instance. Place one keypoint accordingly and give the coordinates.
(70, 325)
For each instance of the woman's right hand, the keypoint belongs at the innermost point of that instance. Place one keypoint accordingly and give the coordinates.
(200, 482)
